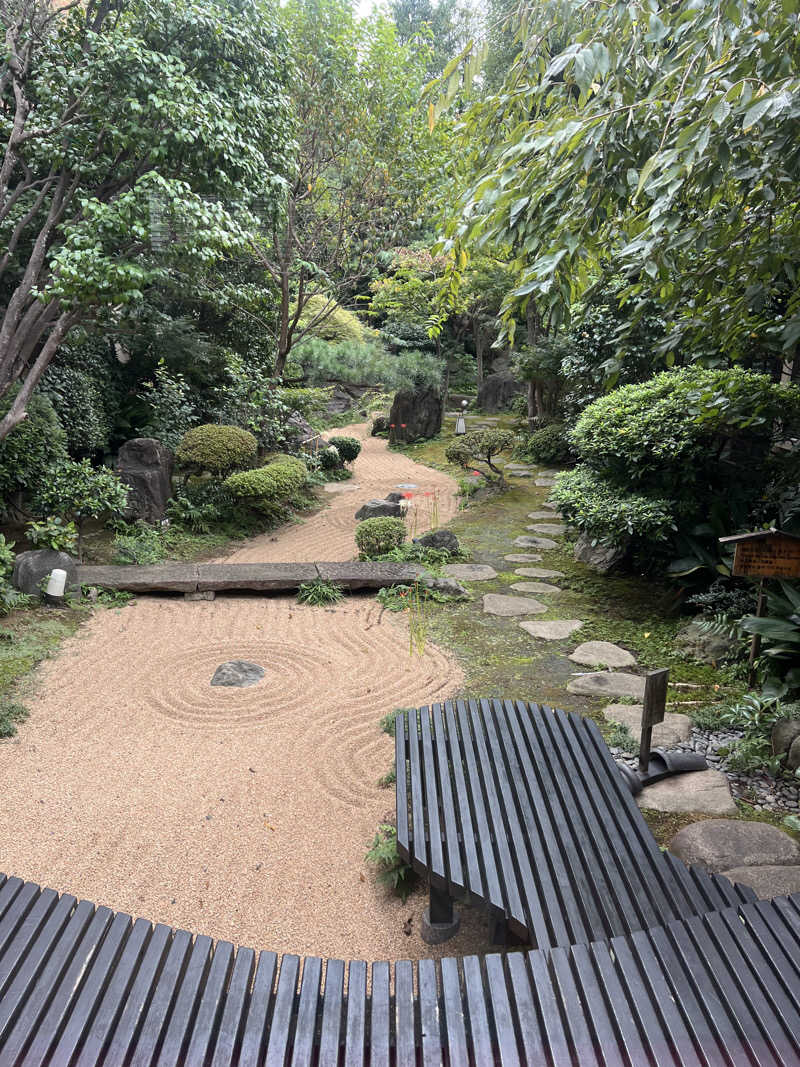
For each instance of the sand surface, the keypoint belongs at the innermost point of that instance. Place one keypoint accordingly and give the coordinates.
(239, 813)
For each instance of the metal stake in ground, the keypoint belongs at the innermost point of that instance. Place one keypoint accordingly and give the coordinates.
(655, 706)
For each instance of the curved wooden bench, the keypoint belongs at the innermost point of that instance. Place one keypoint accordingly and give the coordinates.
(522, 807)
(81, 986)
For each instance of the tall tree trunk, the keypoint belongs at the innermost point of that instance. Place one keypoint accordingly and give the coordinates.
(531, 408)
(533, 323)
(477, 333)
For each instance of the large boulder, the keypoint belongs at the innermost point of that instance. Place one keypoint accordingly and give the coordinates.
(146, 466)
(784, 734)
(722, 844)
(416, 414)
(32, 568)
(300, 433)
(706, 647)
(497, 392)
(444, 540)
(373, 509)
(380, 424)
(601, 558)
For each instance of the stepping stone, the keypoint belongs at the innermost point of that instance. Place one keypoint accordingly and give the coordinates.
(407, 485)
(608, 683)
(719, 844)
(537, 572)
(535, 587)
(768, 882)
(517, 467)
(500, 604)
(239, 673)
(555, 630)
(554, 529)
(602, 654)
(470, 572)
(523, 557)
(534, 542)
(539, 514)
(518, 474)
(544, 482)
(706, 792)
(340, 487)
(550, 504)
(667, 734)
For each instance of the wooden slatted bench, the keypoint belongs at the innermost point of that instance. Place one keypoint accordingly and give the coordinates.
(523, 808)
(81, 986)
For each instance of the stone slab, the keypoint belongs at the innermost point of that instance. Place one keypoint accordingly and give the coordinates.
(523, 557)
(667, 734)
(238, 673)
(368, 575)
(340, 487)
(608, 683)
(767, 881)
(541, 515)
(507, 606)
(534, 542)
(537, 572)
(168, 578)
(258, 577)
(554, 630)
(553, 529)
(602, 654)
(718, 844)
(518, 474)
(704, 792)
(535, 587)
(470, 572)
(545, 482)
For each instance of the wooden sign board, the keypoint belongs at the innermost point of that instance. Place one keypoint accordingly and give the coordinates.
(768, 557)
(655, 697)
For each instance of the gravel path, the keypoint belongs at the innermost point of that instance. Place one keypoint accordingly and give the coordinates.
(240, 813)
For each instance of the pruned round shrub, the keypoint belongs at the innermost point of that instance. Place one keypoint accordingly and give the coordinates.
(376, 537)
(606, 513)
(268, 487)
(347, 447)
(33, 446)
(329, 458)
(216, 449)
(550, 444)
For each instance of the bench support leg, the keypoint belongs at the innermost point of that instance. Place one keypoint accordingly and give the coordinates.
(440, 922)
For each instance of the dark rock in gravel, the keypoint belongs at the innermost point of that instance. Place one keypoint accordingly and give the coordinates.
(239, 673)
(32, 568)
(376, 508)
(416, 414)
(443, 540)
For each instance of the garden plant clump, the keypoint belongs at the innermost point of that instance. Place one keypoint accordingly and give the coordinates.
(376, 537)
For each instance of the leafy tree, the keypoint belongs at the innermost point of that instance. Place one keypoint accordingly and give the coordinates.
(77, 492)
(660, 143)
(126, 125)
(481, 446)
(445, 27)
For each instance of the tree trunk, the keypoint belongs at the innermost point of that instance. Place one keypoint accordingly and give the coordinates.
(531, 408)
(539, 397)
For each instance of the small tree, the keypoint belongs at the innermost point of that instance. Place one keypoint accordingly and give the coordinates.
(78, 492)
(481, 446)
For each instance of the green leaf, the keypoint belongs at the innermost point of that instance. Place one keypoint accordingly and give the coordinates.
(756, 111)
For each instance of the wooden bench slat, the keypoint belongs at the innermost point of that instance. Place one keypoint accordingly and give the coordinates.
(548, 905)
(77, 947)
(209, 1009)
(481, 1043)
(577, 1023)
(429, 1015)
(474, 798)
(455, 1026)
(558, 1049)
(259, 1011)
(452, 845)
(281, 1023)
(305, 1029)
(16, 897)
(332, 1014)
(420, 854)
(181, 1018)
(28, 945)
(503, 1022)
(404, 1010)
(82, 1012)
(401, 787)
(436, 867)
(235, 1006)
(356, 1032)
(528, 1027)
(116, 994)
(160, 1006)
(125, 1032)
(380, 1037)
(463, 810)
(578, 981)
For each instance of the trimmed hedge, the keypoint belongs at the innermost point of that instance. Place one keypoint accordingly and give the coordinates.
(347, 447)
(216, 449)
(609, 514)
(376, 537)
(32, 447)
(550, 444)
(268, 487)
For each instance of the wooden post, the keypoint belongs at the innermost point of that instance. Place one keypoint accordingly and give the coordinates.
(755, 644)
(655, 704)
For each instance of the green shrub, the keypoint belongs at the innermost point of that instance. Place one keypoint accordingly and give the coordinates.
(77, 491)
(79, 402)
(480, 446)
(392, 870)
(347, 447)
(171, 407)
(311, 403)
(144, 545)
(33, 446)
(217, 449)
(10, 715)
(268, 487)
(329, 458)
(605, 513)
(7, 556)
(375, 537)
(319, 592)
(365, 363)
(336, 324)
(548, 445)
(53, 533)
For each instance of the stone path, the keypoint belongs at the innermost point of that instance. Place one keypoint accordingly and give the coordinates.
(523, 557)
(555, 630)
(507, 606)
(608, 683)
(701, 791)
(470, 572)
(551, 529)
(675, 728)
(535, 587)
(534, 542)
(602, 654)
(538, 572)
(754, 853)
